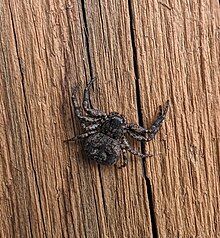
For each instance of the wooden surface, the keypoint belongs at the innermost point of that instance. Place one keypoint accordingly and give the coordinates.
(142, 53)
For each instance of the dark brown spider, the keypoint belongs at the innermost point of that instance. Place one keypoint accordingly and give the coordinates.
(104, 139)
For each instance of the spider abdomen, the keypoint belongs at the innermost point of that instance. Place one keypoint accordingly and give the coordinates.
(102, 148)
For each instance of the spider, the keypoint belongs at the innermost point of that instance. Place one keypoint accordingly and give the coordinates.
(104, 137)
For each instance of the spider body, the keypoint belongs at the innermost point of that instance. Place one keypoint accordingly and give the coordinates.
(113, 126)
(105, 134)
(102, 148)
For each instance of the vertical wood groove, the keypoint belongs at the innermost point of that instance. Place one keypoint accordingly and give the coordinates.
(140, 120)
(142, 53)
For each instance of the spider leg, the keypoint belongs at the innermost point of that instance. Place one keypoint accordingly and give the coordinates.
(146, 135)
(92, 127)
(125, 145)
(78, 111)
(82, 136)
(158, 122)
(87, 104)
(125, 159)
(136, 136)
(136, 129)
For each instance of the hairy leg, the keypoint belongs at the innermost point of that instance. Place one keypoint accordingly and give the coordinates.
(77, 109)
(87, 104)
(82, 136)
(125, 145)
(92, 127)
(143, 134)
(125, 159)
(136, 136)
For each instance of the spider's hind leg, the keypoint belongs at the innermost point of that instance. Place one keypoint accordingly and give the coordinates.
(87, 103)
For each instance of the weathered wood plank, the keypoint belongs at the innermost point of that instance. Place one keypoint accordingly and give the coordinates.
(178, 57)
(141, 53)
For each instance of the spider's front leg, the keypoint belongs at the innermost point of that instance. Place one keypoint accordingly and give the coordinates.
(143, 134)
(87, 102)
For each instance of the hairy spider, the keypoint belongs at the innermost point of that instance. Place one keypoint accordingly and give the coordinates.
(104, 137)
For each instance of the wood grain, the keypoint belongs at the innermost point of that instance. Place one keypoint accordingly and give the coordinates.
(142, 53)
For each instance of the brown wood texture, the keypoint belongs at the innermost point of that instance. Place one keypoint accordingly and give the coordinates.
(142, 53)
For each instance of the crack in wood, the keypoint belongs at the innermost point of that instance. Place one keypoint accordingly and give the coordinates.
(140, 121)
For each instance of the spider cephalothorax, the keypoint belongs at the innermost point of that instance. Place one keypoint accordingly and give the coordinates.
(113, 126)
(105, 136)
